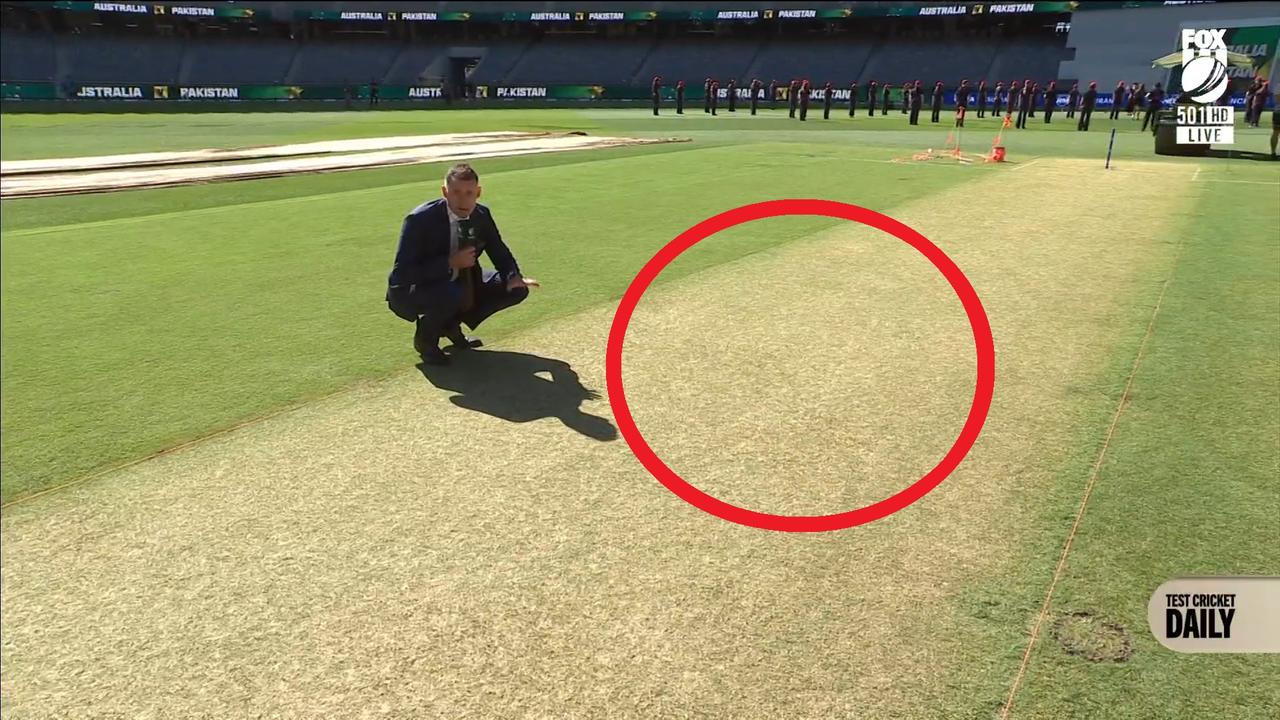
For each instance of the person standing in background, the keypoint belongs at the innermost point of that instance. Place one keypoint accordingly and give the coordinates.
(804, 99)
(1260, 101)
(1154, 100)
(936, 107)
(1035, 95)
(871, 98)
(1117, 100)
(733, 95)
(1086, 107)
(962, 101)
(1025, 104)
(1275, 129)
(1248, 101)
(853, 97)
(1050, 100)
(1015, 98)
(826, 101)
(680, 97)
(656, 91)
(1073, 97)
(773, 94)
(755, 94)
(715, 95)
(793, 97)
(884, 107)
(997, 99)
(706, 95)
(916, 100)
(982, 98)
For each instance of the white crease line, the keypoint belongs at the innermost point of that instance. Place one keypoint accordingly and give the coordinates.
(1029, 162)
(1196, 174)
(1244, 182)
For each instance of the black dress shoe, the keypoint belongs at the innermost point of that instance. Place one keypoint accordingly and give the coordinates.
(460, 340)
(435, 356)
(430, 351)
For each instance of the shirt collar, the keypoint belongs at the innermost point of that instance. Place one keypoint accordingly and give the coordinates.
(454, 217)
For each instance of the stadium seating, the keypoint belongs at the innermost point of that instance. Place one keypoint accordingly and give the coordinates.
(497, 60)
(694, 60)
(1103, 45)
(350, 61)
(219, 61)
(579, 61)
(28, 57)
(411, 65)
(839, 62)
(1021, 59)
(118, 59)
(899, 61)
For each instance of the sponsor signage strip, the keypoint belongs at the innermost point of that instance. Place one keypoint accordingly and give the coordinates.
(160, 10)
(604, 14)
(146, 91)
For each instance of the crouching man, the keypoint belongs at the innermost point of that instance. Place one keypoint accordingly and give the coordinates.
(436, 281)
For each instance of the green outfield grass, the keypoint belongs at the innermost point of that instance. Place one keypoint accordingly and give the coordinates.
(136, 321)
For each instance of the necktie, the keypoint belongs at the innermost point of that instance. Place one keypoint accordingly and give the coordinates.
(467, 239)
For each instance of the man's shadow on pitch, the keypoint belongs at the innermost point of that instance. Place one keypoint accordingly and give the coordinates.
(508, 385)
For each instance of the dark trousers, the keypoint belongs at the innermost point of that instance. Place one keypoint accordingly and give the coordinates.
(791, 107)
(1048, 113)
(884, 107)
(1022, 117)
(804, 110)
(995, 109)
(733, 101)
(853, 105)
(826, 111)
(436, 307)
(871, 108)
(706, 103)
(937, 112)
(1085, 114)
(754, 103)
(679, 103)
(915, 115)
(1149, 117)
(982, 105)
(1115, 110)
(1071, 110)
(960, 111)
(655, 103)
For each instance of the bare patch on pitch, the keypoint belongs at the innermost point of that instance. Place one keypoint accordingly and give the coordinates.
(1093, 638)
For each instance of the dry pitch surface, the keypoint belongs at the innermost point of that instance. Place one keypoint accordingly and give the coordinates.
(404, 550)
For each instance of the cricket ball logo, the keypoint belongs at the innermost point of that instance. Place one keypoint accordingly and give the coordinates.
(1204, 64)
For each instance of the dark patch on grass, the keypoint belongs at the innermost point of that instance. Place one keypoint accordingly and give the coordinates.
(1084, 634)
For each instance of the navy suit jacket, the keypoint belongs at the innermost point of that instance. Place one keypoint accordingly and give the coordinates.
(422, 257)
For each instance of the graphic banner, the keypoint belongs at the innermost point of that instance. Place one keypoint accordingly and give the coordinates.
(1259, 42)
